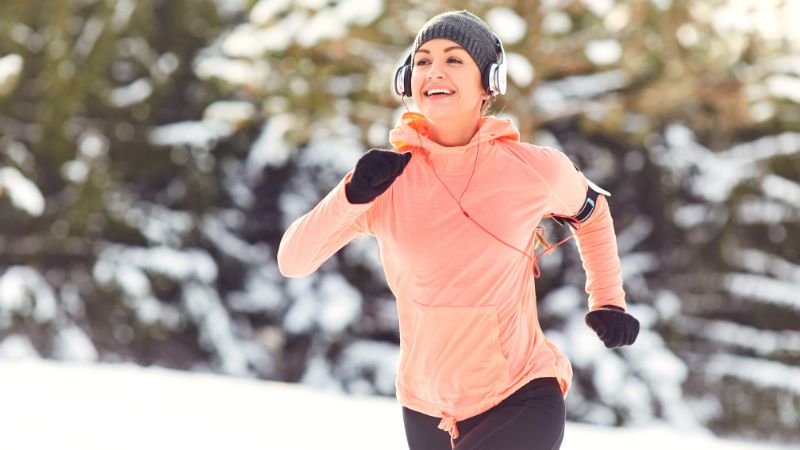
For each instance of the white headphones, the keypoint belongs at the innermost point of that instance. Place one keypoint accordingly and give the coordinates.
(494, 79)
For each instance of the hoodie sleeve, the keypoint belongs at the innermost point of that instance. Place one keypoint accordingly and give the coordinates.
(596, 239)
(316, 236)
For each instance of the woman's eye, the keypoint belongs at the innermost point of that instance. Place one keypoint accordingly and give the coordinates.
(454, 60)
(422, 62)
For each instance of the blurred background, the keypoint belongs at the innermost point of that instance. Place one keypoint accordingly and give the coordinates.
(152, 153)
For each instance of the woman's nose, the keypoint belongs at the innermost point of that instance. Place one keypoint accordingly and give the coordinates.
(435, 71)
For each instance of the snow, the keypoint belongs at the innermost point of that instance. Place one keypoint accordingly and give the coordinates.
(600, 8)
(159, 224)
(72, 344)
(135, 92)
(752, 211)
(687, 35)
(763, 289)
(784, 87)
(719, 172)
(194, 133)
(325, 301)
(231, 8)
(762, 111)
(359, 12)
(520, 70)
(787, 63)
(762, 373)
(92, 30)
(325, 22)
(377, 134)
(507, 24)
(187, 264)
(691, 215)
(262, 292)
(663, 5)
(762, 342)
(10, 68)
(234, 114)
(634, 234)
(247, 40)
(233, 71)
(334, 148)
(265, 10)
(22, 192)
(17, 347)
(617, 19)
(604, 52)
(75, 171)
(52, 405)
(555, 96)
(19, 155)
(270, 149)
(556, 22)
(217, 330)
(759, 261)
(122, 14)
(233, 246)
(163, 67)
(636, 263)
(378, 358)
(772, 20)
(26, 292)
(341, 304)
(93, 144)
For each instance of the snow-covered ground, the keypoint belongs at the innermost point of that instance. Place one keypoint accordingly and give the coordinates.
(50, 405)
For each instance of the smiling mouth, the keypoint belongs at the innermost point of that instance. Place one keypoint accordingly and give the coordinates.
(438, 92)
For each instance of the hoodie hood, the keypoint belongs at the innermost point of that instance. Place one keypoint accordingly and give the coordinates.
(412, 133)
(415, 127)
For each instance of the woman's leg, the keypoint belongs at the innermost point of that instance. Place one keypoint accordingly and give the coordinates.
(423, 433)
(530, 419)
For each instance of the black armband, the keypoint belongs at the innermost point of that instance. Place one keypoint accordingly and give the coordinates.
(592, 192)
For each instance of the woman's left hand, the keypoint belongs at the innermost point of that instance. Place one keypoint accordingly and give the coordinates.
(613, 326)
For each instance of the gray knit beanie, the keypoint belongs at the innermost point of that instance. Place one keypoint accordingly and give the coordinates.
(464, 28)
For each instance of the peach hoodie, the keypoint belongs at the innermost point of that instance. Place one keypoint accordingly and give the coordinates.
(469, 333)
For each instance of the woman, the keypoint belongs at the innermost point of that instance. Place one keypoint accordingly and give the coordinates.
(454, 208)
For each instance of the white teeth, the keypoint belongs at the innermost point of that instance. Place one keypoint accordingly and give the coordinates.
(439, 91)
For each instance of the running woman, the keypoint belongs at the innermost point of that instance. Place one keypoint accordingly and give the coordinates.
(455, 206)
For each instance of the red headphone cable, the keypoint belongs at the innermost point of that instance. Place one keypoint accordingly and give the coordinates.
(540, 231)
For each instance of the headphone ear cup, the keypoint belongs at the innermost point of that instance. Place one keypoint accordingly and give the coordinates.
(399, 81)
(402, 81)
(497, 76)
(497, 79)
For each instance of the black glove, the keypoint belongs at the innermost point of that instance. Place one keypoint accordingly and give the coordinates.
(613, 326)
(374, 173)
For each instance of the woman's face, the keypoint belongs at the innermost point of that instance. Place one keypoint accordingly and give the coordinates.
(444, 65)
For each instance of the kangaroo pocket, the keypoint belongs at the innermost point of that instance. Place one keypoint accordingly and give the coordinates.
(455, 359)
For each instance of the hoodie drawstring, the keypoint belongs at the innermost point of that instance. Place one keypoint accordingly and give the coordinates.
(448, 424)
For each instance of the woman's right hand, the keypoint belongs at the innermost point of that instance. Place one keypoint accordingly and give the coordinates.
(374, 173)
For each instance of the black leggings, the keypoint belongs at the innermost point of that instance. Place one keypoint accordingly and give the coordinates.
(532, 418)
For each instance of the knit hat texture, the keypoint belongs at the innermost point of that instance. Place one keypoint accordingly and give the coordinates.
(464, 28)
